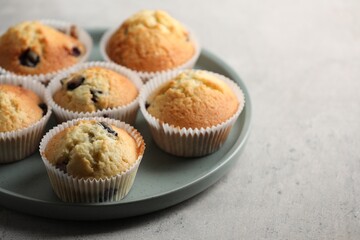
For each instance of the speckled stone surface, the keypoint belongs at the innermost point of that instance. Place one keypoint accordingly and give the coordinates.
(299, 175)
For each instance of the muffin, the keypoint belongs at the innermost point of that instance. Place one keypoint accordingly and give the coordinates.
(93, 159)
(23, 116)
(190, 113)
(95, 89)
(193, 99)
(34, 48)
(151, 41)
(19, 108)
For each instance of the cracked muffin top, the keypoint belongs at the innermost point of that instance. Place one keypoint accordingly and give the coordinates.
(150, 41)
(31, 48)
(193, 99)
(92, 149)
(19, 108)
(93, 89)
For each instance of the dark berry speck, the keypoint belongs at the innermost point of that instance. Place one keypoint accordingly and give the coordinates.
(44, 108)
(61, 164)
(75, 82)
(95, 95)
(108, 128)
(75, 51)
(29, 58)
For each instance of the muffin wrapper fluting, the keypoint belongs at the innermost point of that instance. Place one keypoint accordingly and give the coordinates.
(145, 76)
(188, 142)
(83, 37)
(19, 144)
(109, 189)
(126, 113)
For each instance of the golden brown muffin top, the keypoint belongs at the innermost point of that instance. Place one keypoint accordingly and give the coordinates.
(35, 48)
(193, 99)
(93, 89)
(92, 149)
(19, 108)
(150, 41)
(157, 19)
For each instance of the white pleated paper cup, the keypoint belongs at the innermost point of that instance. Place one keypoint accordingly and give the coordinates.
(188, 142)
(126, 113)
(72, 189)
(65, 27)
(145, 76)
(19, 144)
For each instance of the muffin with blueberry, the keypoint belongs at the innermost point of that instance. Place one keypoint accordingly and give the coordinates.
(95, 90)
(23, 116)
(33, 48)
(190, 113)
(96, 158)
(151, 41)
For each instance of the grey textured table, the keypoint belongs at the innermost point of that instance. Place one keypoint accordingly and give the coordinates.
(299, 175)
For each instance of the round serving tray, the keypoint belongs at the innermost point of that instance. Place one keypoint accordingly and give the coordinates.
(162, 180)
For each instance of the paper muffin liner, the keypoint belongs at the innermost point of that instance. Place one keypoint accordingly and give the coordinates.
(18, 144)
(83, 37)
(126, 113)
(188, 142)
(145, 76)
(91, 190)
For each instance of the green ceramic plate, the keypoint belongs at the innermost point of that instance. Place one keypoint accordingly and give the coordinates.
(162, 180)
